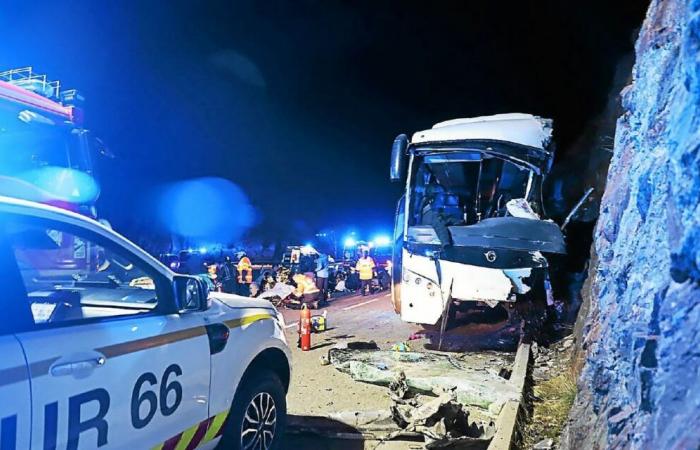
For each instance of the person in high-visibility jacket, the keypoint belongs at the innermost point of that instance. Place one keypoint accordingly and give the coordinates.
(365, 266)
(245, 274)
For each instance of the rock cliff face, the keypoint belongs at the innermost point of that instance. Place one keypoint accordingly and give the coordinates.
(640, 385)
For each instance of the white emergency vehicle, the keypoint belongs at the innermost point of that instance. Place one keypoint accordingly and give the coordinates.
(108, 348)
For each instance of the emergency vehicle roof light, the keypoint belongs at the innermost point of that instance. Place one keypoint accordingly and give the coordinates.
(382, 241)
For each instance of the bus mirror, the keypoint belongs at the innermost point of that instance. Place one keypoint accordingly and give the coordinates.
(398, 157)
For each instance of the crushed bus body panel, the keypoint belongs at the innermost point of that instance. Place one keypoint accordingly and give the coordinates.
(471, 226)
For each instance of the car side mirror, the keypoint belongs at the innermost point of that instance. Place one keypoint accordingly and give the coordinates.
(191, 294)
(398, 157)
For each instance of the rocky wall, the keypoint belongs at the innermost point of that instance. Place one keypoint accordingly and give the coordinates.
(640, 383)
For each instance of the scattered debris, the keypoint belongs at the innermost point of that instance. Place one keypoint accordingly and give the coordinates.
(553, 394)
(544, 444)
(547, 363)
(416, 336)
(401, 347)
(429, 374)
(440, 420)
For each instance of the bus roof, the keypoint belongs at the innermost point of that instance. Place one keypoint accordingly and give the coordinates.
(518, 128)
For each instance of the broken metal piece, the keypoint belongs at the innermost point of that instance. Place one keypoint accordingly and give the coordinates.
(428, 374)
(519, 207)
(575, 209)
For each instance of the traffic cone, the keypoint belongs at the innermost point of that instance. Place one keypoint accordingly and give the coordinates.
(305, 328)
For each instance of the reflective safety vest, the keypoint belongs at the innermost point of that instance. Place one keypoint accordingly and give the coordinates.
(244, 265)
(305, 285)
(366, 268)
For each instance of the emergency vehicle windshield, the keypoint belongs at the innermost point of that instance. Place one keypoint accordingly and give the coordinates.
(44, 160)
(68, 276)
(37, 141)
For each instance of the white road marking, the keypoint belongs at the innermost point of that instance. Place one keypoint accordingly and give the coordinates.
(291, 325)
(361, 304)
(388, 295)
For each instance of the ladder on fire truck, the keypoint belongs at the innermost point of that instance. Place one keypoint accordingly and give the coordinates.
(27, 79)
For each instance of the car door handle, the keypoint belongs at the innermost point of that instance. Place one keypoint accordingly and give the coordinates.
(82, 366)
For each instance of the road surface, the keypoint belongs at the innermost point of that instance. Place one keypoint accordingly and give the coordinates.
(317, 390)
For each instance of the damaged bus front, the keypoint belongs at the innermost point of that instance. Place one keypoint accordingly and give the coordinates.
(470, 227)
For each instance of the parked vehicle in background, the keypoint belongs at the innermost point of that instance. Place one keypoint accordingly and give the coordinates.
(471, 228)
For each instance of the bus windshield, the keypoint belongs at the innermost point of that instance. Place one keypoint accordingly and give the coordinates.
(465, 186)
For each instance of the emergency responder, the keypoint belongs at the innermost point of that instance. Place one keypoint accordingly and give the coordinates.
(245, 274)
(265, 281)
(211, 278)
(229, 276)
(365, 266)
(322, 277)
(306, 291)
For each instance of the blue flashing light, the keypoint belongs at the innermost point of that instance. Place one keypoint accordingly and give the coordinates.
(350, 242)
(382, 241)
(202, 250)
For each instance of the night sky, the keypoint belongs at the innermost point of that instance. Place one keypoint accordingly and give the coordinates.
(298, 102)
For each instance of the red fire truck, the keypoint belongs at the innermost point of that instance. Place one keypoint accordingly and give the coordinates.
(46, 155)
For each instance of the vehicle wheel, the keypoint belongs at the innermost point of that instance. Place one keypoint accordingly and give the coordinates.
(258, 416)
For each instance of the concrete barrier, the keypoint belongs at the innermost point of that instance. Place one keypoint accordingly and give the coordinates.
(507, 422)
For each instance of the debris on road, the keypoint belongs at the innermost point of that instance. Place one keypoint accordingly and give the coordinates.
(545, 444)
(443, 421)
(430, 373)
(401, 347)
(355, 345)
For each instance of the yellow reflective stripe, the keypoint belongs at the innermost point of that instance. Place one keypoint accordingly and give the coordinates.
(186, 438)
(158, 447)
(235, 323)
(214, 426)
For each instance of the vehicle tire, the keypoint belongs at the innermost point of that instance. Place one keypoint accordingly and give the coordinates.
(260, 395)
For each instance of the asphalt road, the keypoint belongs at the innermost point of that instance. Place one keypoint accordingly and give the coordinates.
(317, 390)
(357, 317)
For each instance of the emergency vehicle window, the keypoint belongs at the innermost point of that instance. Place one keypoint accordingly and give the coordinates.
(68, 277)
